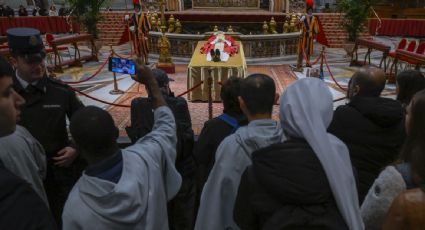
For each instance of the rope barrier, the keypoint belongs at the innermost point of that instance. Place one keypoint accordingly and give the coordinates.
(99, 100)
(191, 89)
(332, 76)
(91, 77)
(311, 63)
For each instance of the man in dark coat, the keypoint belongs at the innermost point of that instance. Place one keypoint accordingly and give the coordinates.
(371, 126)
(20, 206)
(48, 104)
(181, 210)
(216, 129)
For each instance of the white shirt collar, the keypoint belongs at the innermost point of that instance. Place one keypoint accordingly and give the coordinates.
(23, 82)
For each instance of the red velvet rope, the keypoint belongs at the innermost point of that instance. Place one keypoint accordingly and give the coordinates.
(332, 76)
(191, 89)
(92, 76)
(99, 100)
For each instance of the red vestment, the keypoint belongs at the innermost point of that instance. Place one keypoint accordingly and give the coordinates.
(231, 49)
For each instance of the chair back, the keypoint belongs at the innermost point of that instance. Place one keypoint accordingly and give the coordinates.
(49, 39)
(421, 48)
(411, 47)
(402, 44)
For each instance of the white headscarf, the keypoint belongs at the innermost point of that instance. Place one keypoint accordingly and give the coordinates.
(306, 110)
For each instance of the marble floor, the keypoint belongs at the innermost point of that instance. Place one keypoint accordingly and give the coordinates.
(100, 86)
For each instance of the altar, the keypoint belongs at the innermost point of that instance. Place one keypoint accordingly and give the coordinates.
(199, 70)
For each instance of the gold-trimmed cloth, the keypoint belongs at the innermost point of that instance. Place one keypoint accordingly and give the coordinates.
(199, 69)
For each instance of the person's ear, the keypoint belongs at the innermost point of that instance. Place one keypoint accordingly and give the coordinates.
(276, 99)
(14, 61)
(242, 105)
(356, 90)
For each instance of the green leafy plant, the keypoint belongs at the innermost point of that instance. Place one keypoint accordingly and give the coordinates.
(356, 15)
(87, 12)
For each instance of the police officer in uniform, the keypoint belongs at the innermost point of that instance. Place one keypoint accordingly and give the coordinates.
(48, 104)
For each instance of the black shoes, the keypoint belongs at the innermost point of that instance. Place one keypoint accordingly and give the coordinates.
(215, 55)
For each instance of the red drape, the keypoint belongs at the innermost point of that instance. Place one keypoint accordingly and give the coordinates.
(46, 24)
(398, 27)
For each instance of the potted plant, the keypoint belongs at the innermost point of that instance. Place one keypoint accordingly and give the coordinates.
(356, 14)
(87, 12)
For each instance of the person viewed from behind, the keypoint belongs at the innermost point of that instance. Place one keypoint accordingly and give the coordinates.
(22, 11)
(9, 12)
(123, 188)
(409, 82)
(218, 128)
(53, 11)
(307, 181)
(257, 96)
(372, 127)
(407, 174)
(49, 104)
(2, 11)
(182, 207)
(20, 206)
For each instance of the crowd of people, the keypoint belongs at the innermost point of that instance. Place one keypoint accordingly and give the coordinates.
(7, 11)
(361, 166)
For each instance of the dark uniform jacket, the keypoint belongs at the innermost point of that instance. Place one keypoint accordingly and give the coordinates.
(286, 188)
(373, 130)
(20, 206)
(48, 103)
(212, 134)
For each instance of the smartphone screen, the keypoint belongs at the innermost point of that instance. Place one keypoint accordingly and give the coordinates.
(122, 65)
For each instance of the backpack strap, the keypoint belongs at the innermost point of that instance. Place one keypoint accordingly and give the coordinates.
(405, 170)
(230, 121)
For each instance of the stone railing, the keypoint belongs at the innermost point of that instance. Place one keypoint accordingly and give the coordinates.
(255, 46)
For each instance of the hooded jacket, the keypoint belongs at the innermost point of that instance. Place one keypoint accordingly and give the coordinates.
(286, 188)
(373, 130)
(232, 157)
(139, 199)
(24, 156)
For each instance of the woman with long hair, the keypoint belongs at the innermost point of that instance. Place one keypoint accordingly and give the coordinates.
(408, 173)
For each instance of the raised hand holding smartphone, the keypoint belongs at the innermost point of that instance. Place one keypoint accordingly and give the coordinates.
(145, 76)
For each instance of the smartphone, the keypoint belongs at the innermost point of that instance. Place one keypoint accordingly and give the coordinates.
(122, 65)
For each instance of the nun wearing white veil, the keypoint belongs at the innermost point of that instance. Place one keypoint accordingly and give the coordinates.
(307, 180)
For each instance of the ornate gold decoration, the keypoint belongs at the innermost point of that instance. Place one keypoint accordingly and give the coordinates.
(171, 20)
(230, 29)
(286, 27)
(265, 28)
(178, 27)
(215, 29)
(163, 42)
(171, 28)
(273, 26)
(158, 25)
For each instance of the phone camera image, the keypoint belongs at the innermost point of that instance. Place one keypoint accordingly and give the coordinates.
(121, 65)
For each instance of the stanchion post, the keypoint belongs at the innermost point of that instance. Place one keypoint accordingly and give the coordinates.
(115, 90)
(210, 107)
(321, 74)
(299, 67)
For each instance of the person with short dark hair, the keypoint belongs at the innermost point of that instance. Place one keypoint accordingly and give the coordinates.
(218, 128)
(181, 209)
(123, 188)
(409, 82)
(9, 12)
(257, 96)
(22, 11)
(405, 175)
(307, 181)
(371, 126)
(2, 11)
(20, 206)
(49, 104)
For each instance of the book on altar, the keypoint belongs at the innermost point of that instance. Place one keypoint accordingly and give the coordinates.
(222, 45)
